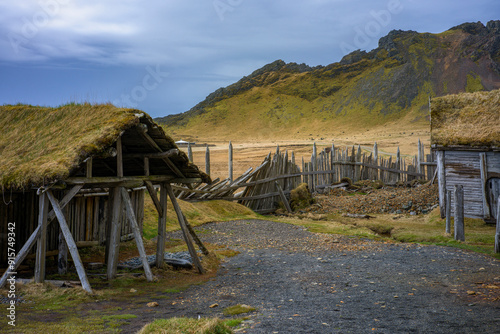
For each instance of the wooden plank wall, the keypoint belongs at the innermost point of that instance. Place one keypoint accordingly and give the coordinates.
(85, 214)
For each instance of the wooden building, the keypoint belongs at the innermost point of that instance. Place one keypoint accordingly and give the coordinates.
(86, 167)
(465, 133)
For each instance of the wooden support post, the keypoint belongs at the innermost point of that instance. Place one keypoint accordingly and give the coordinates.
(154, 198)
(190, 152)
(114, 232)
(398, 164)
(146, 166)
(207, 161)
(419, 158)
(459, 213)
(21, 255)
(119, 157)
(70, 242)
(375, 162)
(197, 240)
(441, 182)
(448, 212)
(357, 171)
(162, 226)
(137, 233)
(484, 178)
(230, 162)
(185, 232)
(41, 248)
(283, 197)
(497, 234)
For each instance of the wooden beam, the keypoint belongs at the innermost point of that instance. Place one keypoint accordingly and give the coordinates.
(137, 233)
(128, 181)
(484, 179)
(207, 161)
(66, 199)
(197, 240)
(283, 197)
(146, 166)
(162, 225)
(152, 194)
(119, 157)
(160, 155)
(114, 235)
(230, 162)
(70, 242)
(185, 231)
(41, 248)
(62, 256)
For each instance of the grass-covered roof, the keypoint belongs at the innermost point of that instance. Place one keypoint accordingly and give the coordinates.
(41, 144)
(467, 119)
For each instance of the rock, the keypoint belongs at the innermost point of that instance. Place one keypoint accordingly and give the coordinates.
(470, 292)
(214, 305)
(153, 304)
(413, 213)
(179, 263)
(133, 290)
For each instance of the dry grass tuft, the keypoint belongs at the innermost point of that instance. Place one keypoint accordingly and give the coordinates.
(466, 119)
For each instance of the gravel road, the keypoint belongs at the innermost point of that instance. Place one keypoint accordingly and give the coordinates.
(301, 282)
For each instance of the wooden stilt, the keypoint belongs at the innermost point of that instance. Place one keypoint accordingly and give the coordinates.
(70, 242)
(114, 235)
(187, 236)
(41, 248)
(459, 213)
(137, 233)
(162, 226)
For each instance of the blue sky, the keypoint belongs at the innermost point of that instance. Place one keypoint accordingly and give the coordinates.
(165, 56)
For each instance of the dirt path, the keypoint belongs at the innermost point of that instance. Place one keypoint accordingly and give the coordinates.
(301, 282)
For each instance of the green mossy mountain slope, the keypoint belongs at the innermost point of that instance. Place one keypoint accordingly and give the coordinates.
(365, 89)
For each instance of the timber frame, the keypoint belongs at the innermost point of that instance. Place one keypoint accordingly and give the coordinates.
(142, 157)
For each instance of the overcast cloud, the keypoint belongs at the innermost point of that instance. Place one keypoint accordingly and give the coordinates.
(164, 56)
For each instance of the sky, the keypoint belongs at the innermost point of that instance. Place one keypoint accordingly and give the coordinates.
(165, 56)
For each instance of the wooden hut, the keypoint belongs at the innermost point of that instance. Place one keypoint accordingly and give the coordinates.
(465, 133)
(86, 167)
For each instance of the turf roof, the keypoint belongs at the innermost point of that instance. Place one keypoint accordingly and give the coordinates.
(466, 119)
(39, 144)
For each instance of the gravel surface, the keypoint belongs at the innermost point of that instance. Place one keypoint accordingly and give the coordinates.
(301, 282)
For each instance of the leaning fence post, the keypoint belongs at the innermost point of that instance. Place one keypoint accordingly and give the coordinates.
(448, 211)
(497, 234)
(459, 213)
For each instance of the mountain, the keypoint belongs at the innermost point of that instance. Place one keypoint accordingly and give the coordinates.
(391, 83)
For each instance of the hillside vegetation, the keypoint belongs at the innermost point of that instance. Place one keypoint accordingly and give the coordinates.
(365, 90)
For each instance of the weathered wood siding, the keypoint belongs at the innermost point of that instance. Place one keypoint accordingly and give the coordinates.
(463, 168)
(85, 216)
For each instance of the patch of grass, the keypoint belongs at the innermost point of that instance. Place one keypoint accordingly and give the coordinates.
(115, 321)
(187, 325)
(233, 322)
(238, 309)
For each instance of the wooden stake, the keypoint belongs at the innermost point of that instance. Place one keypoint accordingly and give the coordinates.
(459, 213)
(41, 248)
(497, 234)
(484, 178)
(185, 231)
(230, 162)
(190, 152)
(441, 182)
(207, 161)
(197, 240)
(119, 157)
(448, 211)
(137, 233)
(70, 242)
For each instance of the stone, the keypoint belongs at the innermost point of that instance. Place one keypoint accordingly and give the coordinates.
(153, 304)
(214, 305)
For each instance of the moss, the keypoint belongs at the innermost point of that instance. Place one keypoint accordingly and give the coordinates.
(301, 197)
(238, 309)
(473, 84)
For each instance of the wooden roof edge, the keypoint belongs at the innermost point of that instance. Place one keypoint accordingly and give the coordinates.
(438, 147)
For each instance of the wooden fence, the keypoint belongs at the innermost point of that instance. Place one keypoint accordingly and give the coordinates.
(263, 188)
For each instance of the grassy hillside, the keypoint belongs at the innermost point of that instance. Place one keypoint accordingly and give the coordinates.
(365, 90)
